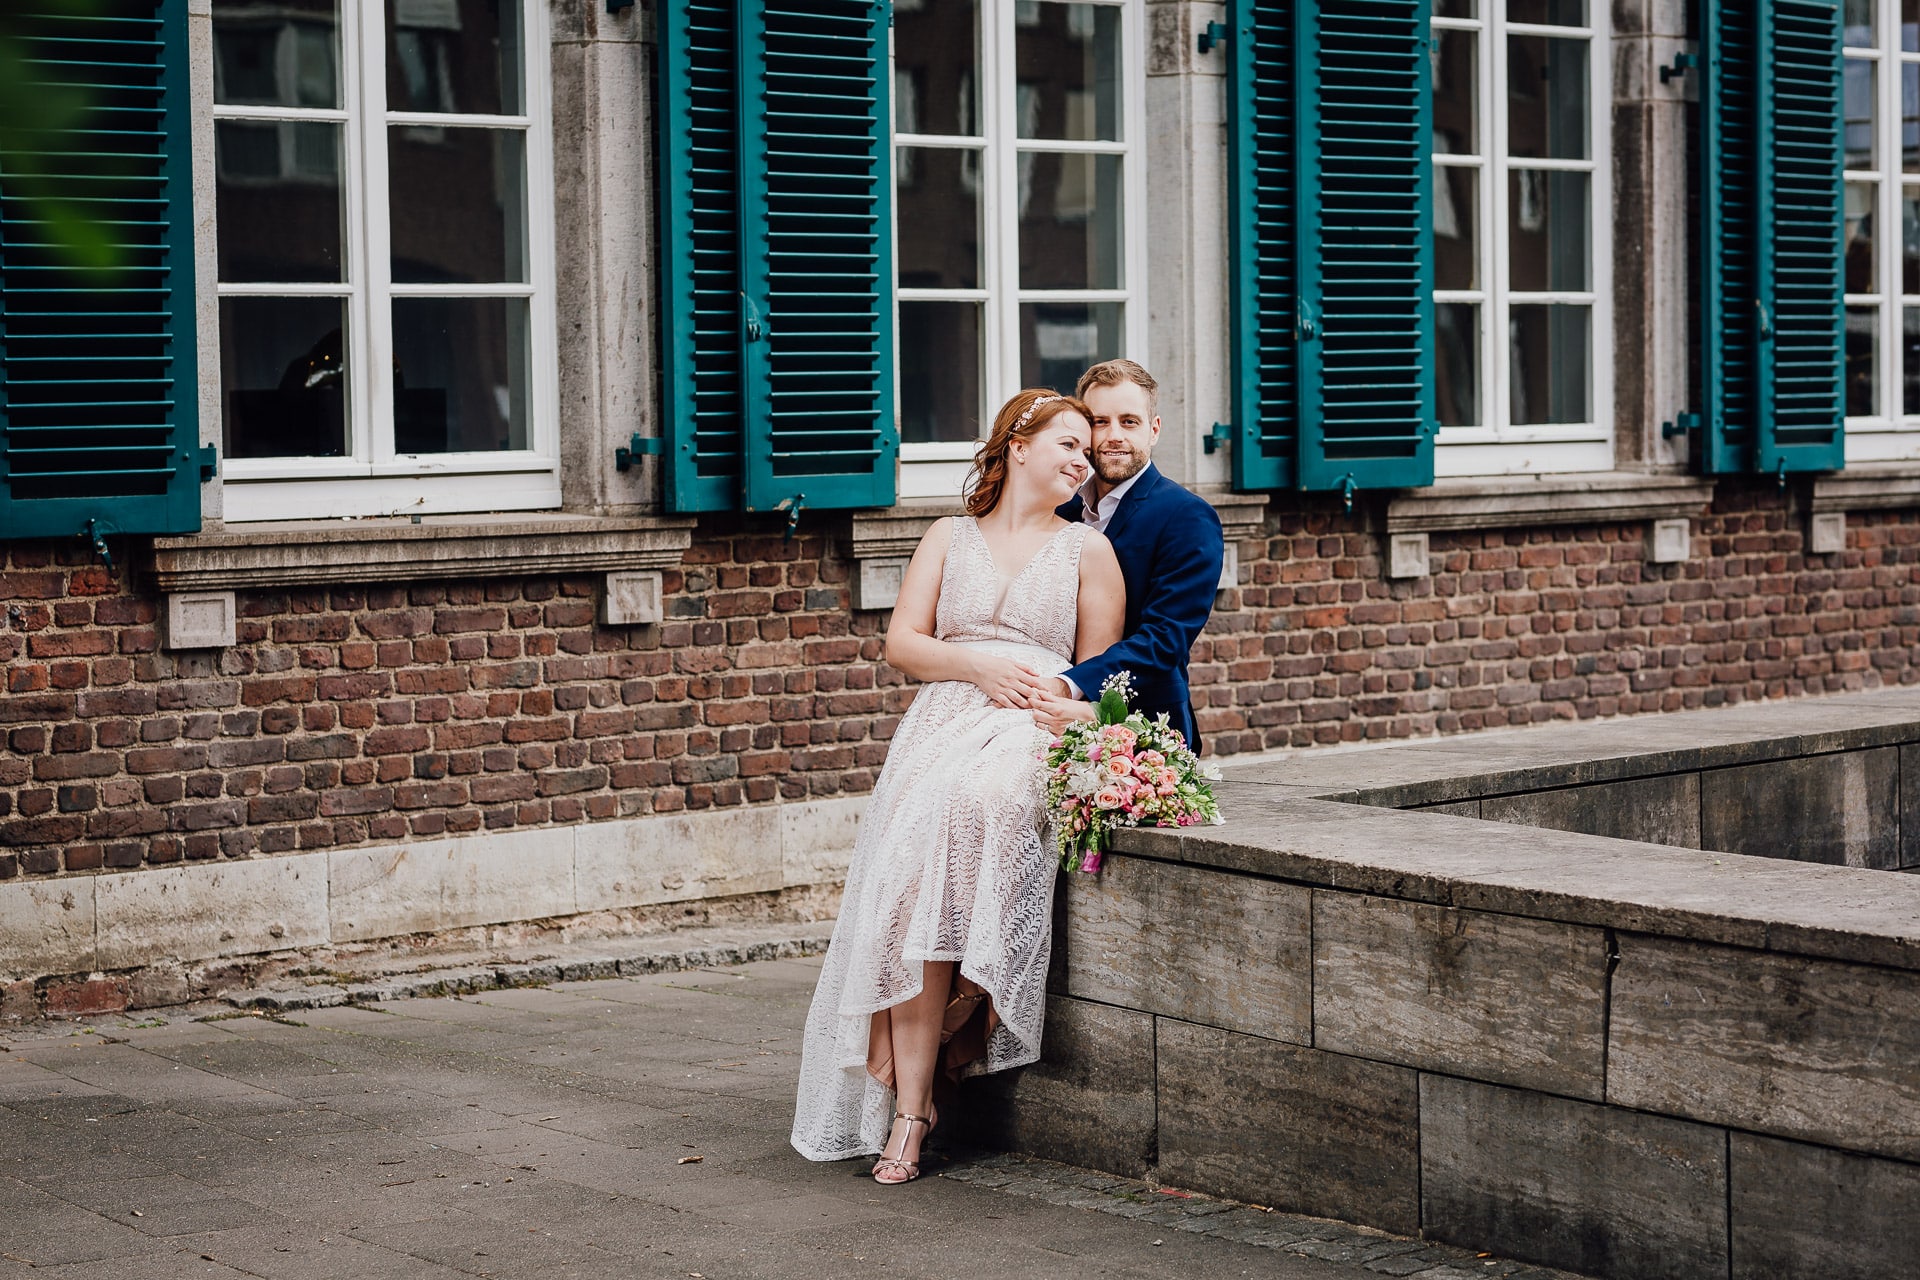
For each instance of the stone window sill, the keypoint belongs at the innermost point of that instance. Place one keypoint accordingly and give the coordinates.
(338, 552)
(881, 542)
(1872, 486)
(1596, 497)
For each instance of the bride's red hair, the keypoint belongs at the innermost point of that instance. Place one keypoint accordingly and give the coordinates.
(1020, 418)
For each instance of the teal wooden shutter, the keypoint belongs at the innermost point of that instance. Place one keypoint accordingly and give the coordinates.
(98, 426)
(702, 325)
(779, 315)
(1772, 350)
(1331, 128)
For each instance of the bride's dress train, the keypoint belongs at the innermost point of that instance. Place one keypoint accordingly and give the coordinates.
(954, 860)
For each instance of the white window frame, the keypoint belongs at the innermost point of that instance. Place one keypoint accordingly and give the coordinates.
(372, 479)
(1891, 434)
(937, 470)
(1496, 446)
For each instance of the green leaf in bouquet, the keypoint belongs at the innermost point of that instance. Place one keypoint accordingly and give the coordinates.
(1113, 707)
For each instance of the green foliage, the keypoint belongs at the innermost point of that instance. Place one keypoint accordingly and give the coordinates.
(1112, 708)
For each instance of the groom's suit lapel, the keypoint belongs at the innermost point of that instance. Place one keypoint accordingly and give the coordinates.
(1136, 496)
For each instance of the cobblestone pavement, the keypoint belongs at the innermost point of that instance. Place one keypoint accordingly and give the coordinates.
(634, 1126)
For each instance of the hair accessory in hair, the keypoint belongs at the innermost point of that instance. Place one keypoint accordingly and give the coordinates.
(1028, 415)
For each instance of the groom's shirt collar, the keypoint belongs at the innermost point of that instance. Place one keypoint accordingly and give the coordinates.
(1100, 514)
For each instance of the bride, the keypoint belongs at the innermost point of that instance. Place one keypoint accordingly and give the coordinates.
(945, 926)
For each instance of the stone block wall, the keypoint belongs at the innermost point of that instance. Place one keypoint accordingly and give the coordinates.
(1615, 1102)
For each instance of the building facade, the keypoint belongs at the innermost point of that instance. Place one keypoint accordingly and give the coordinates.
(474, 494)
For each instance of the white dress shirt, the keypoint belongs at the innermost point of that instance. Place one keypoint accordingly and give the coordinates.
(1100, 515)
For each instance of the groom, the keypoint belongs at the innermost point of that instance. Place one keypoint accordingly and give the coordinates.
(1169, 544)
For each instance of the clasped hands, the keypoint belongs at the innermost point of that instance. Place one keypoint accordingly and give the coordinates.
(1008, 684)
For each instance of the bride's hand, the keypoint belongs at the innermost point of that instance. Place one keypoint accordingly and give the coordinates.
(1055, 714)
(1005, 682)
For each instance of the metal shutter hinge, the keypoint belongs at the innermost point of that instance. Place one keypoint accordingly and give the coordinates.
(623, 458)
(1679, 425)
(1682, 63)
(1214, 35)
(1217, 439)
(209, 462)
(96, 532)
(792, 507)
(615, 6)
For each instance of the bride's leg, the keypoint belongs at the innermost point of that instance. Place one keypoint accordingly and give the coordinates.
(916, 1049)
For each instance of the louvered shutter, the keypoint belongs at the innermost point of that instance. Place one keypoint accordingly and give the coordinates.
(1331, 111)
(1772, 350)
(779, 314)
(98, 428)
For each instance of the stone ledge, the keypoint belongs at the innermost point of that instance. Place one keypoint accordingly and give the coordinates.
(1596, 497)
(342, 552)
(1873, 486)
(895, 531)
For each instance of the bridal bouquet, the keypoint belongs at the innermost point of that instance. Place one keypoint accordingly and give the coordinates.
(1122, 770)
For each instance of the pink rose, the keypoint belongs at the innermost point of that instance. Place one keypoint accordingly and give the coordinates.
(1109, 797)
(1118, 766)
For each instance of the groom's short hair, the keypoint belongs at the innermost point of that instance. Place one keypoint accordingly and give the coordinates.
(1111, 373)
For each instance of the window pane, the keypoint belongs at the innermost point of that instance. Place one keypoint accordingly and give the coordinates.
(1548, 347)
(1858, 21)
(283, 377)
(1910, 116)
(1863, 400)
(1858, 237)
(1457, 385)
(1058, 340)
(1456, 252)
(459, 374)
(938, 218)
(1546, 98)
(1455, 92)
(1068, 67)
(1547, 230)
(1910, 25)
(936, 61)
(454, 55)
(1070, 221)
(457, 202)
(277, 192)
(1910, 362)
(940, 391)
(283, 53)
(1909, 242)
(1453, 8)
(1858, 94)
(1559, 13)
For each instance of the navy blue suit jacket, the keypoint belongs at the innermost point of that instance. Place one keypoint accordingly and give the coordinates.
(1170, 549)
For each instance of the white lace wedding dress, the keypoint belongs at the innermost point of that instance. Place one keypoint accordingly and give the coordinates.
(954, 860)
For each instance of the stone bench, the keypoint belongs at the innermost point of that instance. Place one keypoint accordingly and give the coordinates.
(1363, 999)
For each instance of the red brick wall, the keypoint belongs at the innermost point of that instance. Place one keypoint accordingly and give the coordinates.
(375, 714)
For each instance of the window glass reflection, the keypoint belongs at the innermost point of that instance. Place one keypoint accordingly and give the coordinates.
(1456, 94)
(940, 389)
(1058, 340)
(1070, 221)
(455, 56)
(277, 189)
(1558, 13)
(1457, 372)
(458, 204)
(1547, 230)
(283, 377)
(1548, 354)
(1857, 104)
(1456, 247)
(1863, 365)
(936, 67)
(460, 369)
(1858, 21)
(937, 217)
(281, 53)
(1857, 237)
(1547, 98)
(1067, 59)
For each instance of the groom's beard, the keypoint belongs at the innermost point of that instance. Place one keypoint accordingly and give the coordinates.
(1116, 469)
